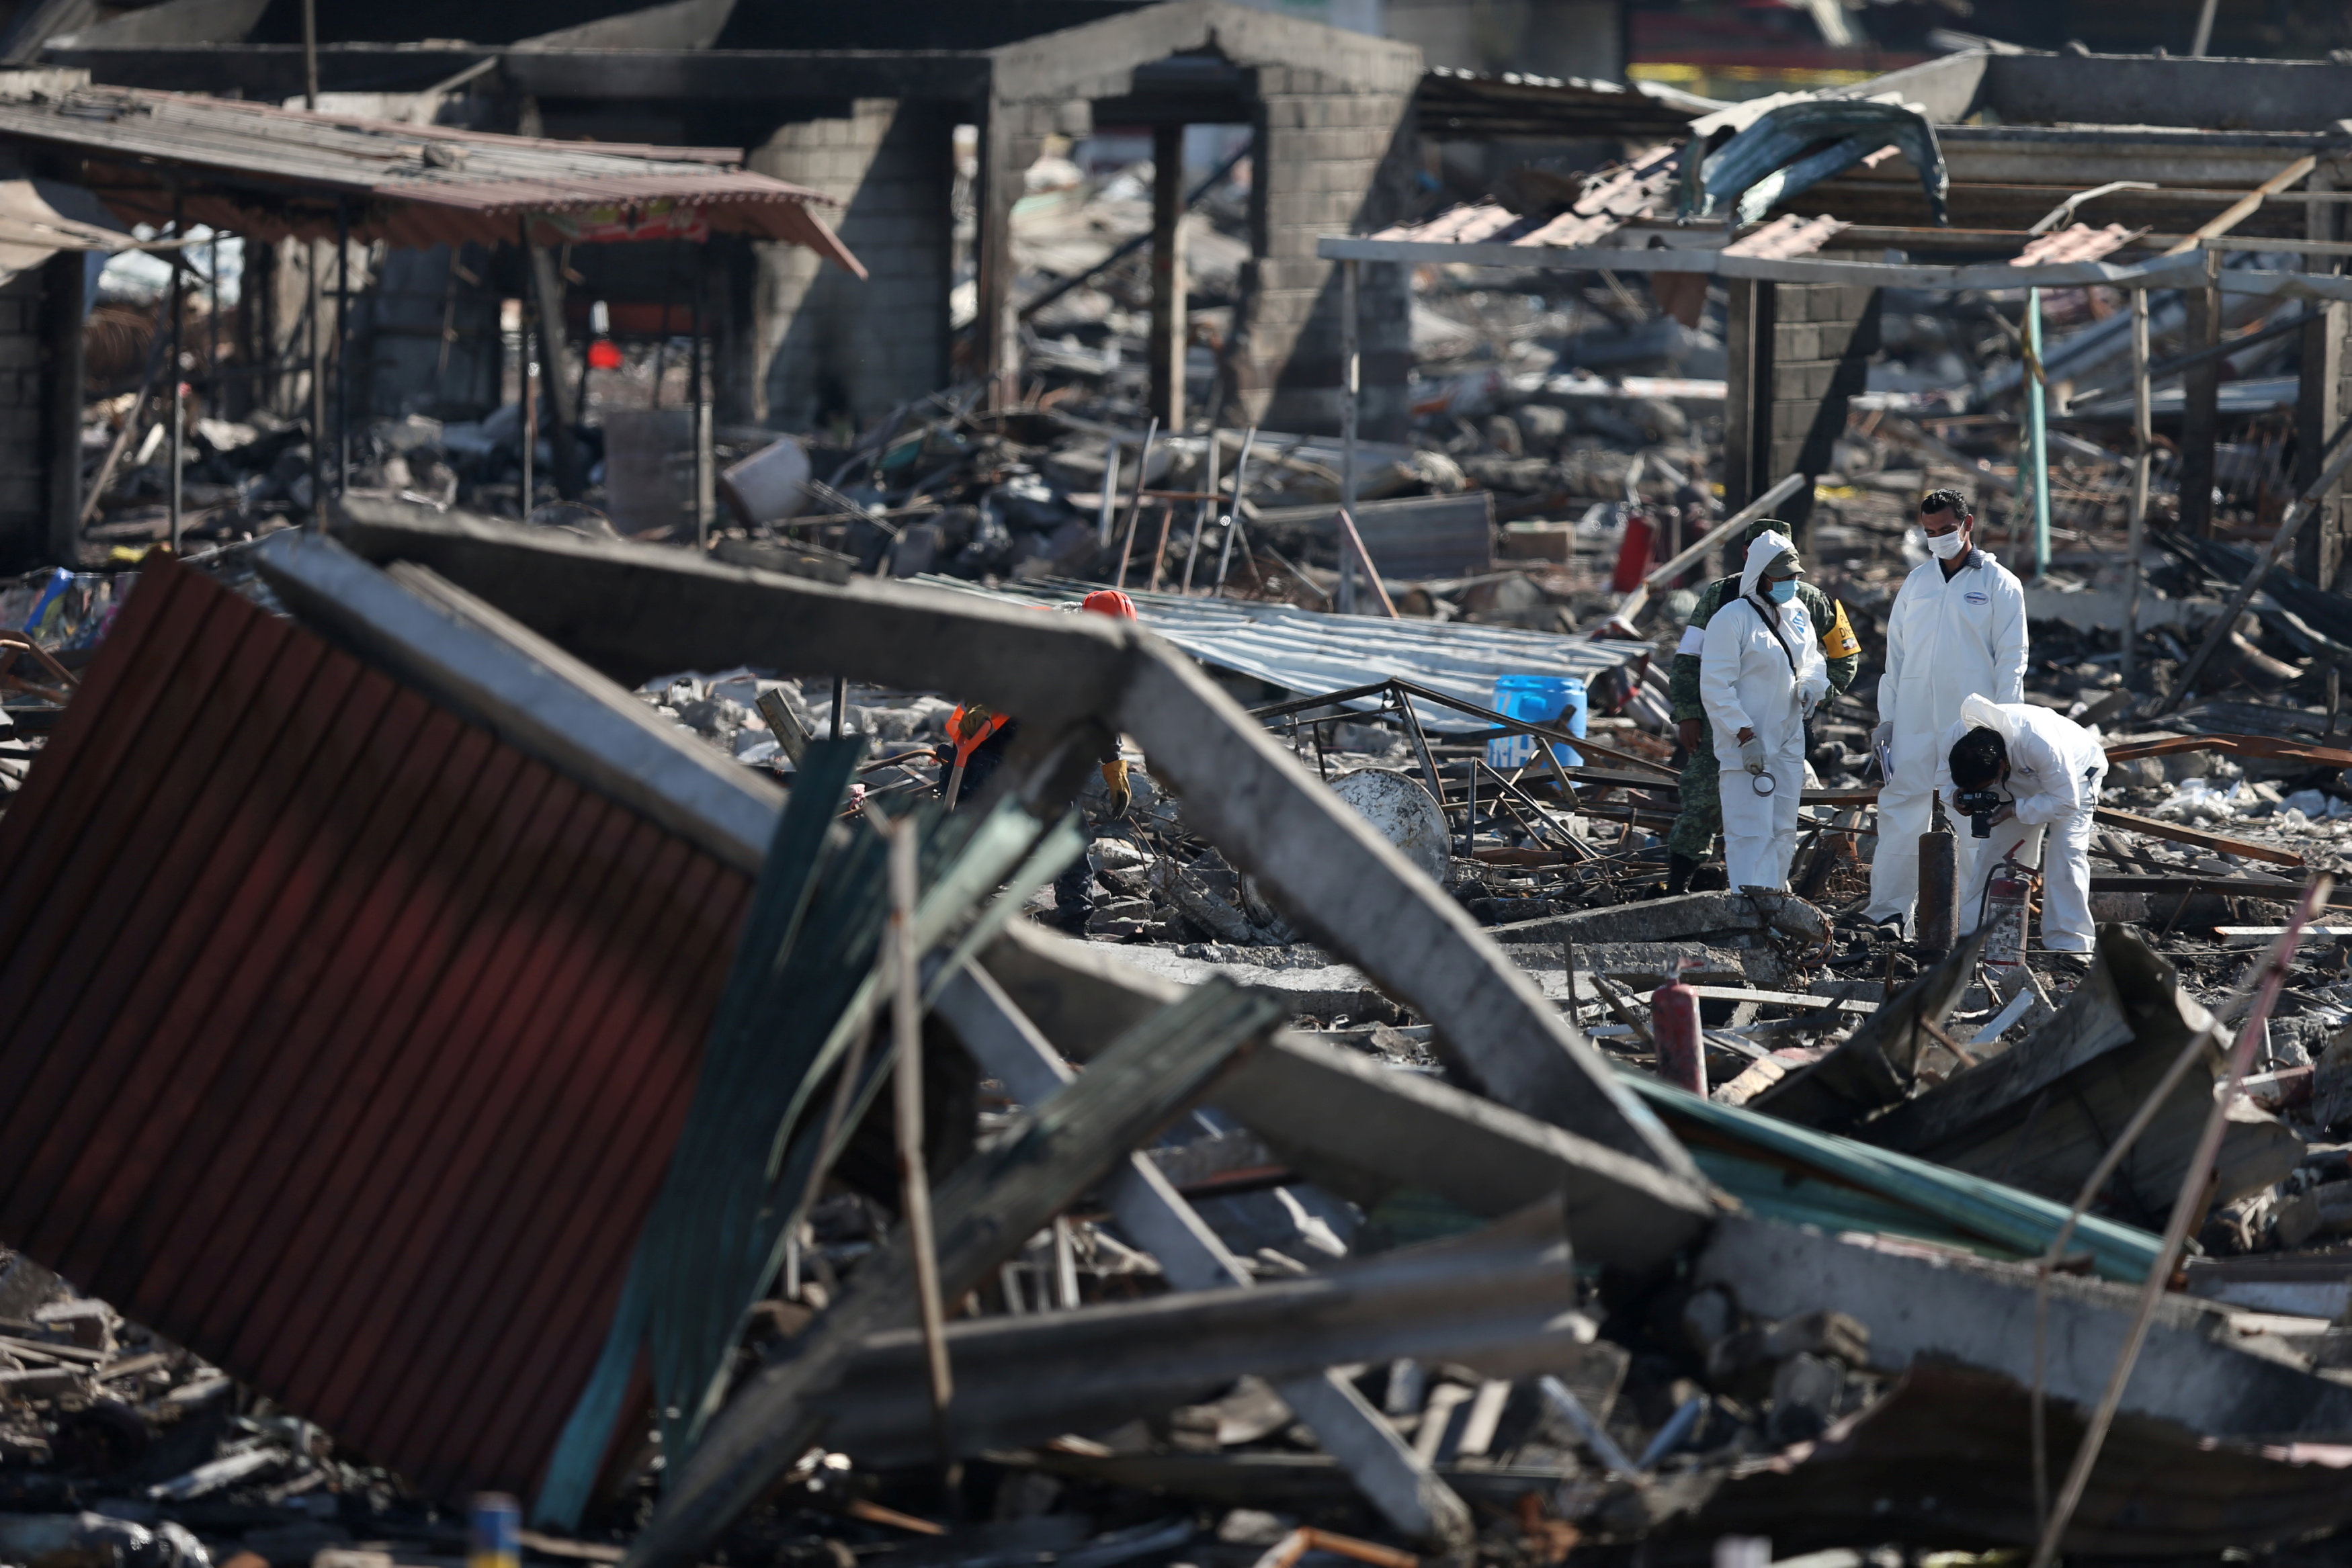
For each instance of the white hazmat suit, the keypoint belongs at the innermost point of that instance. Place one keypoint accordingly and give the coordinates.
(1761, 669)
(1946, 641)
(2055, 768)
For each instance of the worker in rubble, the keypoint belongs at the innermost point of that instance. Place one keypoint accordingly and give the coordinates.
(2046, 771)
(1760, 673)
(1692, 838)
(1958, 629)
(978, 741)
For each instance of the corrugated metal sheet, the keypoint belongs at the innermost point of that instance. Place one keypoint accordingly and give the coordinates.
(339, 1041)
(1303, 652)
(407, 184)
(2076, 241)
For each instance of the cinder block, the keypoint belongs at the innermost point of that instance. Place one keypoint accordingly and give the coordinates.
(1803, 379)
(1794, 340)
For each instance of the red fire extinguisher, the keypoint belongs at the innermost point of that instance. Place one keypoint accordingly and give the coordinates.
(1673, 1029)
(1633, 553)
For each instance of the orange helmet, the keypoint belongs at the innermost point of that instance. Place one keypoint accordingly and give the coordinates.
(1111, 601)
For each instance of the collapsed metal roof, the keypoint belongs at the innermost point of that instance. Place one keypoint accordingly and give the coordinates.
(276, 173)
(1302, 651)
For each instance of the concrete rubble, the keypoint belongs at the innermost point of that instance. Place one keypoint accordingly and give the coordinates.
(524, 1003)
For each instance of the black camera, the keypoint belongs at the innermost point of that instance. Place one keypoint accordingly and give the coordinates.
(1978, 806)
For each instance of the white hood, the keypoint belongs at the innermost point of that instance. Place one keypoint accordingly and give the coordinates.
(1981, 712)
(1762, 552)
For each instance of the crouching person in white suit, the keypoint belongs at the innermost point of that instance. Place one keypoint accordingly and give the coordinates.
(1761, 673)
(2046, 770)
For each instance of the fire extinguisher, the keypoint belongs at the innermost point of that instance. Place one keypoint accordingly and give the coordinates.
(1633, 553)
(2008, 888)
(1674, 1029)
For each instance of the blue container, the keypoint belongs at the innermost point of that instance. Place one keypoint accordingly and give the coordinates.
(1537, 699)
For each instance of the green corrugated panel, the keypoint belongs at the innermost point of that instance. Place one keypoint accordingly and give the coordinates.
(1897, 1194)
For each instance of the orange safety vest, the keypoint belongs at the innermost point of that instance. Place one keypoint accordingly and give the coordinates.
(966, 744)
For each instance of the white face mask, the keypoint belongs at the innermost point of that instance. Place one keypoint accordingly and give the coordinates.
(1948, 546)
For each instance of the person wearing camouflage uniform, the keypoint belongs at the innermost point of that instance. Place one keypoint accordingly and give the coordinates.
(1692, 838)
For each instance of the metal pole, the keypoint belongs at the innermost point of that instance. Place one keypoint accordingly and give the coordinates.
(704, 479)
(1206, 507)
(1108, 505)
(212, 322)
(1349, 386)
(343, 346)
(172, 380)
(1233, 515)
(1135, 508)
(311, 55)
(2204, 30)
(2135, 523)
(317, 307)
(2037, 432)
(527, 378)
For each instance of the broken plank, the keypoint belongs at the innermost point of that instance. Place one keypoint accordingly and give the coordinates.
(1026, 1380)
(1364, 1130)
(1780, 998)
(986, 1210)
(2276, 890)
(2270, 746)
(2218, 843)
(1686, 916)
(1354, 893)
(2260, 935)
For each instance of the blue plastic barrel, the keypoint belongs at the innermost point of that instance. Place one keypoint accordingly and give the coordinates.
(1537, 699)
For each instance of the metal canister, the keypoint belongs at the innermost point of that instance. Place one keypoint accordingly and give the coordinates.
(2006, 891)
(1673, 1029)
(495, 1540)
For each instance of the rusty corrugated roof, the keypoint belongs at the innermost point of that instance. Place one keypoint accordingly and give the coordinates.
(2076, 241)
(274, 173)
(1788, 236)
(340, 1041)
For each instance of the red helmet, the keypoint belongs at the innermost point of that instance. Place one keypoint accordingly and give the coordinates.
(1111, 601)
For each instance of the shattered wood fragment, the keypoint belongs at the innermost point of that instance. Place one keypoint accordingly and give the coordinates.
(1362, 1129)
(2219, 843)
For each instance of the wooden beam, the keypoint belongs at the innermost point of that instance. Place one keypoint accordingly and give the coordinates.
(1027, 1380)
(2218, 843)
(2244, 207)
(1364, 1130)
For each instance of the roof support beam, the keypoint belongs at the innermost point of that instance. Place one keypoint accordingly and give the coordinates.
(638, 610)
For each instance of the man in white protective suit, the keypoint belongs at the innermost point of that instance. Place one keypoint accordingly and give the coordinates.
(1761, 673)
(1957, 630)
(2046, 770)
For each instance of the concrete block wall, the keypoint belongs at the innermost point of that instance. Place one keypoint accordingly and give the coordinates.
(23, 465)
(827, 345)
(1331, 162)
(1822, 338)
(40, 397)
